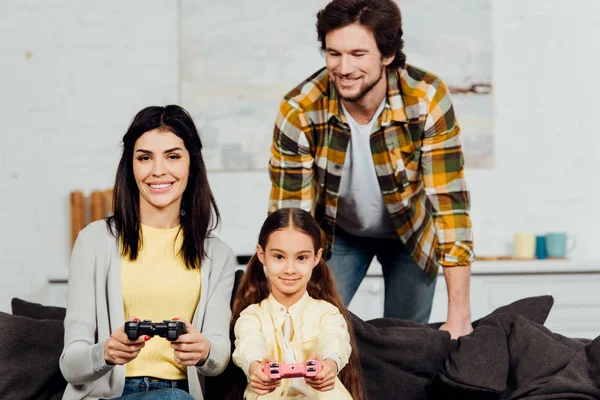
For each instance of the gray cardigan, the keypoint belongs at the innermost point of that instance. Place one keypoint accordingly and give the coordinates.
(95, 310)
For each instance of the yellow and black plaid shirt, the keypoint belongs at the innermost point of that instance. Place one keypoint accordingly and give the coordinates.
(416, 152)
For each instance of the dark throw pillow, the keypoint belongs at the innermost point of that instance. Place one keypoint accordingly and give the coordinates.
(29, 354)
(535, 309)
(478, 364)
(399, 359)
(36, 311)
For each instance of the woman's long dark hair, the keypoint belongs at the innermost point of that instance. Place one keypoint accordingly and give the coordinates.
(254, 285)
(199, 212)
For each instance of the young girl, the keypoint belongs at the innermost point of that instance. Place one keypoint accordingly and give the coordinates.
(288, 310)
(156, 259)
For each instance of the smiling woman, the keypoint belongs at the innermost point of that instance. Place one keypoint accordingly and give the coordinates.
(161, 167)
(156, 259)
(162, 177)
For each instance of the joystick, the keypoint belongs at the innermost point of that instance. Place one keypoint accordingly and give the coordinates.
(167, 329)
(309, 368)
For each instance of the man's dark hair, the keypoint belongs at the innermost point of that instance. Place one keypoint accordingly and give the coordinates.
(381, 17)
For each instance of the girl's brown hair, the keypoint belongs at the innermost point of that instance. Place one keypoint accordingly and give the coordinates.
(254, 286)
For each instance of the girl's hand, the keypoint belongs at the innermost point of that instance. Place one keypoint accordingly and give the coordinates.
(325, 380)
(191, 348)
(119, 350)
(259, 382)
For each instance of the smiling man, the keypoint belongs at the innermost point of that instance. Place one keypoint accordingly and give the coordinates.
(371, 145)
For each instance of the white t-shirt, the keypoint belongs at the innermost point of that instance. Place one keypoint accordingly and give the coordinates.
(361, 208)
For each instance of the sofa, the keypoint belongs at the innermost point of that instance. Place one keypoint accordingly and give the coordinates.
(510, 355)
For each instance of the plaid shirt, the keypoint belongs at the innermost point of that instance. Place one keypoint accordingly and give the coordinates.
(416, 152)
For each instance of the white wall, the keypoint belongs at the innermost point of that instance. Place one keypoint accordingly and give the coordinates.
(546, 140)
(73, 74)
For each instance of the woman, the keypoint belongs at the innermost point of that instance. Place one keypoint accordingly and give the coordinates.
(154, 259)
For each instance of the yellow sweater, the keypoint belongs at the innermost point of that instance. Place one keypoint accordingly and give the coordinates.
(158, 286)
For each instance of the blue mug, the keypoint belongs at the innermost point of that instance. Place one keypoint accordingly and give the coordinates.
(557, 245)
(540, 247)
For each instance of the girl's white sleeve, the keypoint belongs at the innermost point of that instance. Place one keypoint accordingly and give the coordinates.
(249, 340)
(333, 337)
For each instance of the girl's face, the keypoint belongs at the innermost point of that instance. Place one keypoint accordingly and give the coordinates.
(161, 167)
(289, 258)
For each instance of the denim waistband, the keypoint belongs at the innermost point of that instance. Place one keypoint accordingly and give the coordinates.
(145, 383)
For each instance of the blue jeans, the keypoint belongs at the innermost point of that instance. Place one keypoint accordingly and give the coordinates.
(408, 290)
(148, 388)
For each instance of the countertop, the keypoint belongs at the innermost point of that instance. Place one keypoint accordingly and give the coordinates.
(490, 268)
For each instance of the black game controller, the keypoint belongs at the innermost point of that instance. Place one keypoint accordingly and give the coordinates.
(167, 329)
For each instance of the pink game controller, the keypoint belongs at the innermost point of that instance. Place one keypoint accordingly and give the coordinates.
(309, 368)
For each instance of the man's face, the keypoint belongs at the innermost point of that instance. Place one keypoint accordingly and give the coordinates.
(353, 61)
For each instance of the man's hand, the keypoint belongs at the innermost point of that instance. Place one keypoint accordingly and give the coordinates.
(458, 322)
(325, 380)
(457, 328)
(191, 348)
(259, 382)
(119, 350)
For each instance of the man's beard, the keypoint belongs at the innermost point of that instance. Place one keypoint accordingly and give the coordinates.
(363, 91)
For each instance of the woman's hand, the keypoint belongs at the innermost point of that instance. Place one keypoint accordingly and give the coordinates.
(191, 348)
(325, 380)
(119, 350)
(259, 382)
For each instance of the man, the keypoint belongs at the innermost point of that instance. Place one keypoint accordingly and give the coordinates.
(370, 145)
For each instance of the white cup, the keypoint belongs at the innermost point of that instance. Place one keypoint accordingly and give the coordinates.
(524, 246)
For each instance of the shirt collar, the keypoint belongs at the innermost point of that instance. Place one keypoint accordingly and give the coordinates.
(276, 308)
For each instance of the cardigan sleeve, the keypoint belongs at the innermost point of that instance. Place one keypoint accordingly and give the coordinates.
(82, 360)
(218, 312)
